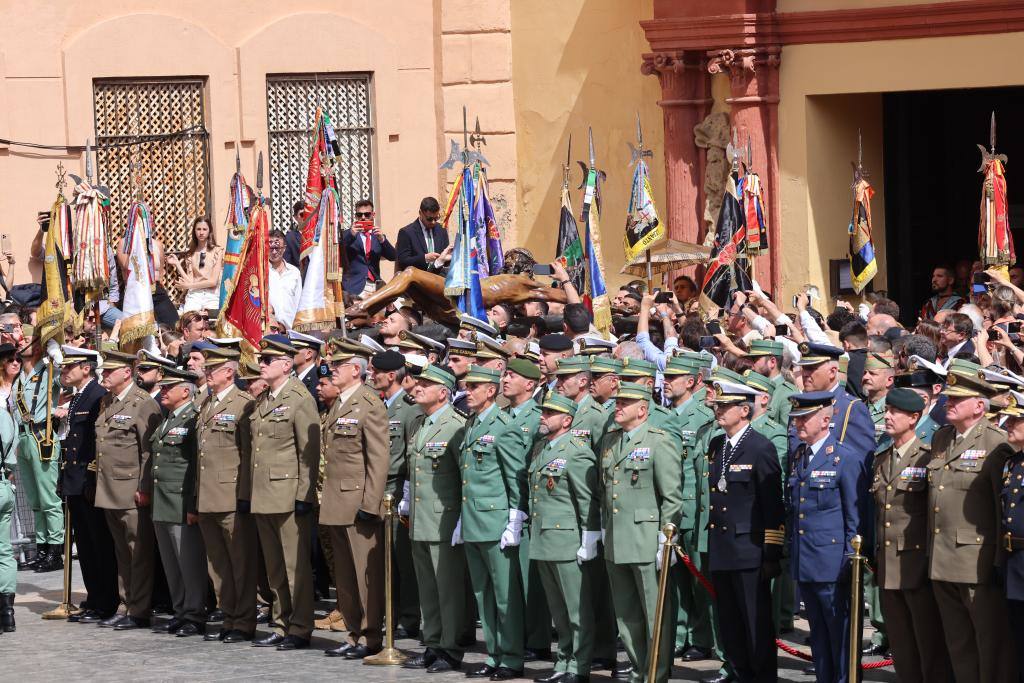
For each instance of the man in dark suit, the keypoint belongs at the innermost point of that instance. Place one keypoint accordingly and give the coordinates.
(957, 337)
(77, 484)
(293, 238)
(364, 245)
(423, 243)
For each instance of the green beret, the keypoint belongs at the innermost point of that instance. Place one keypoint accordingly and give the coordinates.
(904, 399)
(525, 368)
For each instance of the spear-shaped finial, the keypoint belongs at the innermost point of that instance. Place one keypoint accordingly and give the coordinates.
(858, 168)
(989, 155)
(465, 137)
(238, 161)
(750, 153)
(590, 139)
(637, 153)
(88, 161)
(992, 133)
(568, 162)
(732, 151)
(259, 175)
(601, 175)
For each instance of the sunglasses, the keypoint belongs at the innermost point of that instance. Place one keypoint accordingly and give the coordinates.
(265, 360)
(362, 214)
(431, 219)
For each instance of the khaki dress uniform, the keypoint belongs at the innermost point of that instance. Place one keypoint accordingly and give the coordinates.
(222, 483)
(900, 490)
(356, 466)
(123, 432)
(285, 433)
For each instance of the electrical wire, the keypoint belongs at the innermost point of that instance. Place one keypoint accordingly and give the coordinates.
(139, 140)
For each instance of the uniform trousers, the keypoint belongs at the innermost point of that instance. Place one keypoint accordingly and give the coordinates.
(441, 579)
(695, 614)
(359, 578)
(827, 607)
(873, 599)
(230, 539)
(605, 634)
(536, 615)
(284, 539)
(132, 532)
(748, 633)
(975, 624)
(497, 580)
(784, 598)
(184, 560)
(407, 603)
(8, 565)
(38, 480)
(915, 634)
(571, 601)
(1016, 610)
(95, 555)
(635, 596)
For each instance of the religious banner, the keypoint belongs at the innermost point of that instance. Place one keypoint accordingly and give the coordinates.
(995, 241)
(862, 250)
(643, 229)
(727, 270)
(236, 223)
(248, 305)
(139, 320)
(56, 309)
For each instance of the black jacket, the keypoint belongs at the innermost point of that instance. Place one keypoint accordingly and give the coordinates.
(358, 264)
(412, 246)
(78, 449)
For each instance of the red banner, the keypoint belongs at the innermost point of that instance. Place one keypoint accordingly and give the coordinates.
(248, 306)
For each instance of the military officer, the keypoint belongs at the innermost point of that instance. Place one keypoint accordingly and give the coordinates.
(285, 432)
(461, 354)
(604, 383)
(307, 361)
(643, 372)
(768, 359)
(124, 484)
(1012, 497)
(149, 369)
(223, 494)
(77, 485)
(173, 445)
(565, 525)
(8, 566)
(900, 490)
(965, 476)
(469, 326)
(640, 492)
(404, 418)
(746, 532)
(826, 481)
(553, 348)
(35, 393)
(928, 385)
(356, 471)
(432, 501)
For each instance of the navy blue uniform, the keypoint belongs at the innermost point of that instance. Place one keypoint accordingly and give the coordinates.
(1013, 539)
(745, 531)
(825, 492)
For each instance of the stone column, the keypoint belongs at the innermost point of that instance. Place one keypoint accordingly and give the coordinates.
(686, 100)
(754, 101)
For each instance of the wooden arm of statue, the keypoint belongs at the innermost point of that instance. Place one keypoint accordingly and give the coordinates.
(427, 292)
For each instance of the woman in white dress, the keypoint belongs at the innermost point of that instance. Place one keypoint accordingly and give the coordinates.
(200, 273)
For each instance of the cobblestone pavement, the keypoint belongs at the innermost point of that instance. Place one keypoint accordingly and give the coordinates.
(56, 650)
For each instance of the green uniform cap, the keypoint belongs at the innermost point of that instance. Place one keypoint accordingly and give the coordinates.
(766, 347)
(703, 360)
(759, 382)
(572, 365)
(219, 356)
(434, 374)
(478, 374)
(523, 367)
(728, 375)
(681, 365)
(633, 390)
(557, 402)
(967, 379)
(116, 359)
(177, 376)
(602, 365)
(636, 367)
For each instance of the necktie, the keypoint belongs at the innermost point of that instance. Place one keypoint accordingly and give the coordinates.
(429, 235)
(367, 247)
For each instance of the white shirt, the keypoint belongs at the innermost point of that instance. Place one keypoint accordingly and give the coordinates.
(735, 438)
(285, 290)
(952, 353)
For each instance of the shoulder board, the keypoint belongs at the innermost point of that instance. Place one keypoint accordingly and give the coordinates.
(408, 399)
(464, 414)
(580, 443)
(656, 430)
(502, 417)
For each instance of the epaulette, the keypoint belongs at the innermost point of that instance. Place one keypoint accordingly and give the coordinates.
(655, 430)
(772, 423)
(460, 411)
(579, 442)
(408, 399)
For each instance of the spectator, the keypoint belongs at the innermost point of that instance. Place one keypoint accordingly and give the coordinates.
(943, 295)
(200, 275)
(193, 326)
(685, 289)
(293, 239)
(423, 243)
(284, 279)
(364, 244)
(957, 333)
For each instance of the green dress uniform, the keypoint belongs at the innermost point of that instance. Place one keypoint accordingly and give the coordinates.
(35, 392)
(404, 418)
(435, 500)
(493, 459)
(589, 422)
(872, 594)
(779, 407)
(565, 517)
(641, 475)
(8, 566)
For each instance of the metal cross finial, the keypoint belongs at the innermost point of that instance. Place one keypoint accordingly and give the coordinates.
(858, 168)
(637, 153)
(61, 178)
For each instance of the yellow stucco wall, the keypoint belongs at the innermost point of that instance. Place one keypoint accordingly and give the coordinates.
(827, 91)
(576, 63)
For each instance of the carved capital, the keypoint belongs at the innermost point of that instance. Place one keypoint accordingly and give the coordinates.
(674, 62)
(743, 63)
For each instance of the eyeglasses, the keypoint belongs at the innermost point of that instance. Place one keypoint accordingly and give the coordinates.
(427, 218)
(364, 214)
(267, 360)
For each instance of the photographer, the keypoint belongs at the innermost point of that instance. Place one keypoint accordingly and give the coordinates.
(363, 245)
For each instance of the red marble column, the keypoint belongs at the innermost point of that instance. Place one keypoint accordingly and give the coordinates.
(754, 101)
(686, 100)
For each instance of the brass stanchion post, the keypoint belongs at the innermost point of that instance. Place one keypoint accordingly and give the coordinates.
(65, 608)
(390, 655)
(659, 611)
(856, 564)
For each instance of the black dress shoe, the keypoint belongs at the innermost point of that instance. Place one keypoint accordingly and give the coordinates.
(403, 632)
(597, 663)
(132, 624)
(339, 651)
(874, 650)
(553, 677)
(112, 621)
(442, 664)
(273, 640)
(219, 635)
(215, 615)
(482, 671)
(190, 628)
(51, 563)
(718, 678)
(421, 661)
(236, 636)
(503, 673)
(695, 654)
(360, 651)
(91, 616)
(293, 643)
(622, 672)
(263, 617)
(536, 655)
(168, 626)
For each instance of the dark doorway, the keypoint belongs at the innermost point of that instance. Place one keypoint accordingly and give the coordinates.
(932, 184)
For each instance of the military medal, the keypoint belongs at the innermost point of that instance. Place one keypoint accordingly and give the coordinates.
(551, 483)
(636, 476)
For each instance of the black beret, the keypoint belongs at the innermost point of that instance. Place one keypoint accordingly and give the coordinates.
(555, 342)
(387, 361)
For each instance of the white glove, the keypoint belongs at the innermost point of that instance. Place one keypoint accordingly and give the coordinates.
(403, 505)
(602, 535)
(588, 547)
(53, 351)
(457, 534)
(513, 532)
(863, 311)
(657, 557)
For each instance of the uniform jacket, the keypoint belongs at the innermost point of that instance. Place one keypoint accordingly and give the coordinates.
(774, 432)
(310, 380)
(78, 448)
(404, 419)
(778, 407)
(900, 490)
(356, 458)
(412, 247)
(174, 466)
(589, 422)
(285, 434)
(1013, 523)
(563, 498)
(640, 491)
(522, 433)
(926, 428)
(824, 493)
(750, 503)
(435, 482)
(358, 264)
(695, 425)
(123, 432)
(964, 483)
(493, 458)
(31, 398)
(225, 450)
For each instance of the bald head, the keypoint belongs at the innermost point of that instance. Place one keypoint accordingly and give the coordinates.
(879, 323)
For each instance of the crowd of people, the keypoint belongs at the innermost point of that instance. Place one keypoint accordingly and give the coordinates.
(541, 473)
